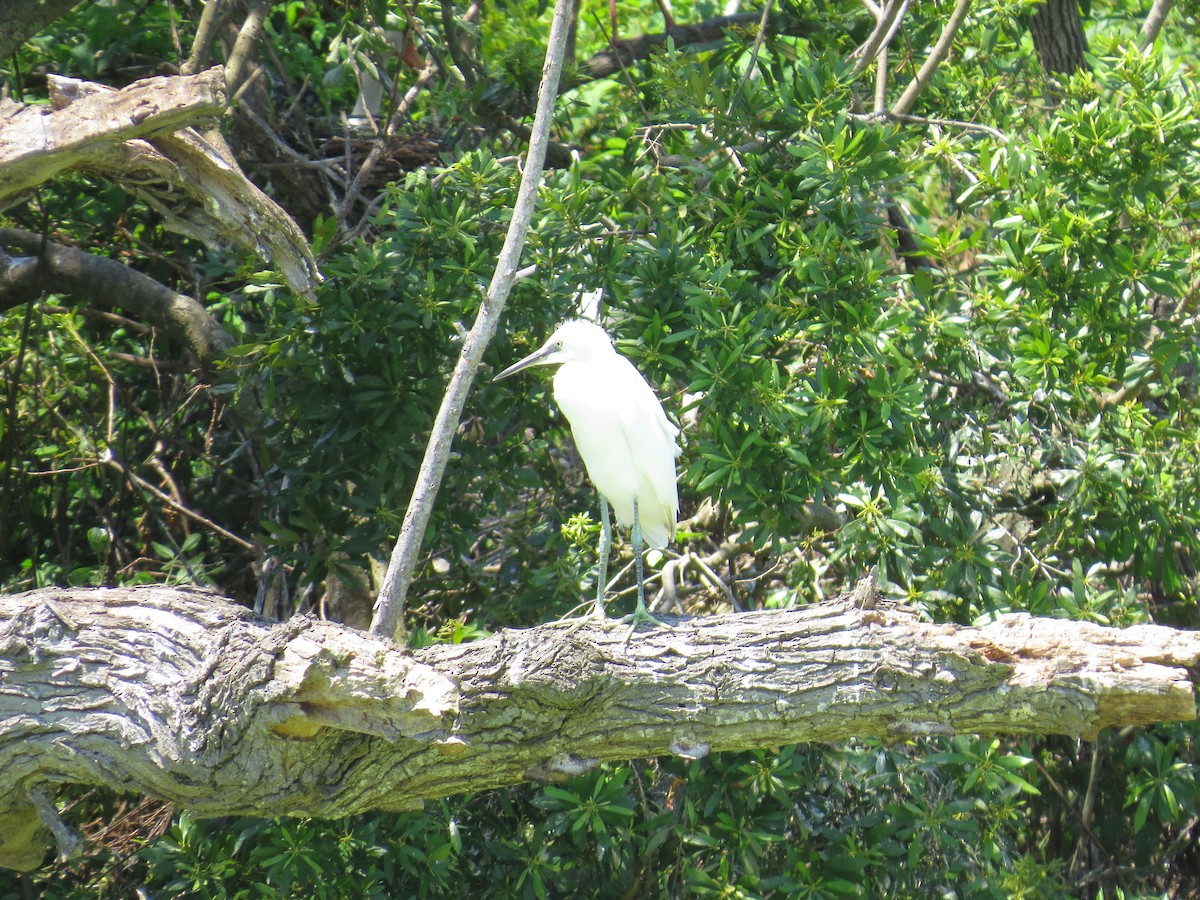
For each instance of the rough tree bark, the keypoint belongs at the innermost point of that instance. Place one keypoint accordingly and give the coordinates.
(1058, 38)
(179, 694)
(22, 19)
(37, 143)
(139, 138)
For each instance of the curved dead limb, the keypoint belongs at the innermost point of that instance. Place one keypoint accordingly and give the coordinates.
(178, 694)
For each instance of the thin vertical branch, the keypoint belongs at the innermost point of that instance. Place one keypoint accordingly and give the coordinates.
(754, 51)
(881, 80)
(887, 19)
(239, 56)
(206, 32)
(936, 55)
(1154, 23)
(389, 606)
(887, 22)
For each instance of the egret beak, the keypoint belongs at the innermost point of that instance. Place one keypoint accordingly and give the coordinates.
(536, 358)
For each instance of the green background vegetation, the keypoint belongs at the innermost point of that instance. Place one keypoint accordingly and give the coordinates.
(1016, 427)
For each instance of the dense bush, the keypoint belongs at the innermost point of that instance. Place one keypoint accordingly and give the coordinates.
(1012, 426)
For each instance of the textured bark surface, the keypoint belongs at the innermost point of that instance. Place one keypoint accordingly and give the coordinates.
(22, 19)
(37, 143)
(1058, 38)
(140, 138)
(178, 694)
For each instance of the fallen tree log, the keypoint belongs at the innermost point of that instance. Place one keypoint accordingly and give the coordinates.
(179, 694)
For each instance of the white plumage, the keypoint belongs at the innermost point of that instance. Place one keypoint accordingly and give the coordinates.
(625, 439)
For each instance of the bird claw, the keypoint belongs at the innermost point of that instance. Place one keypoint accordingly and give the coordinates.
(636, 618)
(573, 622)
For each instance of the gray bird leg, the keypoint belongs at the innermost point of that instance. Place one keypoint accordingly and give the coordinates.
(636, 537)
(605, 546)
(641, 614)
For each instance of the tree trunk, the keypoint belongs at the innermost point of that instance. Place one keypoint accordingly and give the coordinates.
(22, 19)
(181, 695)
(1058, 38)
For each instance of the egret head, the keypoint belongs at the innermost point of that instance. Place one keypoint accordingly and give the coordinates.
(577, 340)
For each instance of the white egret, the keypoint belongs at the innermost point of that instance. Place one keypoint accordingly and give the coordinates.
(626, 440)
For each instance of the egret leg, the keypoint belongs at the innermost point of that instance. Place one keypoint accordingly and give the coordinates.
(636, 536)
(640, 614)
(605, 546)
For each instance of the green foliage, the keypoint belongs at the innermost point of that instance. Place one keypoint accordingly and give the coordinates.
(1013, 427)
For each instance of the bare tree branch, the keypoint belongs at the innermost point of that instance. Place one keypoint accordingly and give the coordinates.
(382, 145)
(206, 33)
(622, 53)
(887, 23)
(36, 144)
(389, 606)
(106, 282)
(240, 55)
(177, 694)
(196, 185)
(936, 55)
(1154, 23)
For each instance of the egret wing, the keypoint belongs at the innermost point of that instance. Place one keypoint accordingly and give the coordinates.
(652, 440)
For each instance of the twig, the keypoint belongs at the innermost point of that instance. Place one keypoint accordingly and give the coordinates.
(155, 462)
(389, 607)
(944, 123)
(100, 315)
(239, 56)
(1084, 826)
(206, 31)
(1154, 23)
(382, 145)
(936, 55)
(1089, 799)
(109, 459)
(622, 63)
(68, 471)
(714, 580)
(754, 51)
(324, 166)
(887, 22)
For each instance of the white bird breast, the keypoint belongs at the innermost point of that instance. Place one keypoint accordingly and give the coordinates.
(626, 441)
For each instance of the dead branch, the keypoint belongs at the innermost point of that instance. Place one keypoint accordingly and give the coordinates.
(180, 695)
(193, 182)
(623, 52)
(106, 282)
(37, 143)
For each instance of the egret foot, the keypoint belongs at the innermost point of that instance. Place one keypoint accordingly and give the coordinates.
(639, 615)
(574, 621)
